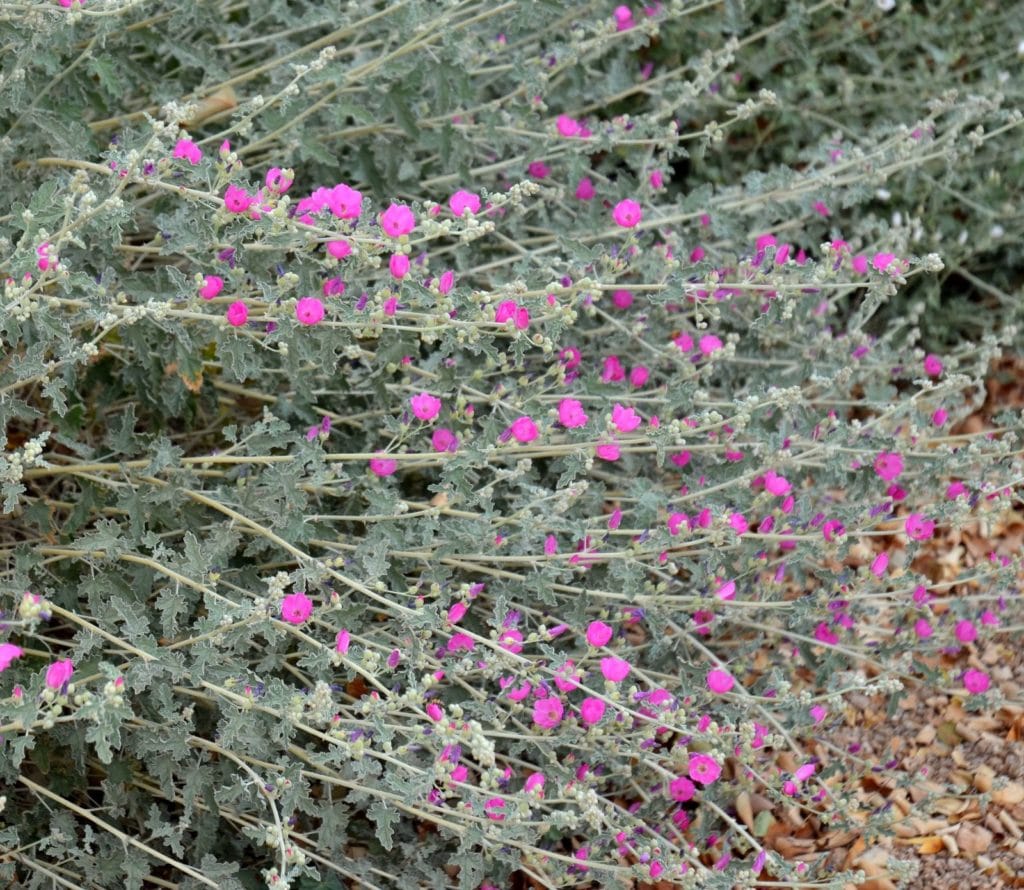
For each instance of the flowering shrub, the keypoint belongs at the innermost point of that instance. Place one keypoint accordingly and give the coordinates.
(465, 441)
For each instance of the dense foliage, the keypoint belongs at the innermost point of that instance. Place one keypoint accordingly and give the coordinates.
(450, 440)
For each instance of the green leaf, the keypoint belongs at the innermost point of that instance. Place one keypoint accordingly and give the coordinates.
(384, 816)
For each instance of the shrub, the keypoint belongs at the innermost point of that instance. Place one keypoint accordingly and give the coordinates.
(471, 440)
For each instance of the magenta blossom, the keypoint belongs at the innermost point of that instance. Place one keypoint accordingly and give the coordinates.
(975, 682)
(889, 465)
(627, 214)
(296, 608)
(59, 673)
(547, 712)
(719, 681)
(598, 633)
(382, 466)
(571, 413)
(462, 201)
(523, 429)
(704, 769)
(444, 440)
(237, 199)
(187, 149)
(425, 406)
(237, 314)
(397, 220)
(591, 710)
(625, 420)
(681, 789)
(8, 652)
(918, 527)
(615, 670)
(309, 310)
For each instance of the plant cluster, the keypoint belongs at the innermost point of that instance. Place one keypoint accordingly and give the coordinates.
(453, 440)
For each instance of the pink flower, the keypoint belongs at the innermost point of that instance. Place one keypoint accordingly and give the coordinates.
(342, 640)
(818, 713)
(511, 640)
(585, 189)
(547, 712)
(462, 201)
(684, 342)
(333, 287)
(709, 343)
(187, 149)
(277, 181)
(954, 490)
(656, 179)
(523, 429)
(966, 632)
(59, 673)
(47, 257)
(493, 807)
(882, 261)
(461, 642)
(345, 202)
(399, 265)
(975, 681)
(425, 406)
(613, 371)
(591, 710)
(719, 682)
(567, 126)
(212, 285)
(397, 220)
(681, 789)
(309, 310)
(567, 677)
(932, 365)
(625, 419)
(704, 769)
(615, 670)
(550, 545)
(237, 199)
(8, 652)
(607, 451)
(538, 170)
(456, 612)
(434, 711)
(623, 18)
(237, 314)
(598, 633)
(444, 441)
(889, 465)
(776, 484)
(571, 414)
(296, 608)
(922, 628)
(534, 781)
(675, 522)
(879, 564)
(726, 591)
(627, 213)
(939, 416)
(508, 310)
(382, 466)
(339, 249)
(638, 377)
(919, 528)
(446, 282)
